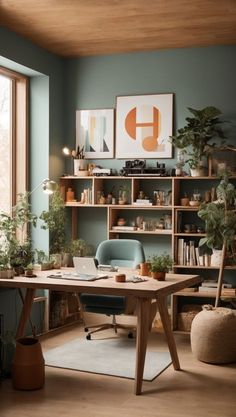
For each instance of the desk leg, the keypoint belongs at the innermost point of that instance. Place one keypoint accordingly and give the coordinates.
(25, 314)
(143, 313)
(162, 307)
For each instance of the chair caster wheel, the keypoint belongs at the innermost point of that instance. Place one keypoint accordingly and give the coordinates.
(88, 337)
(130, 335)
(86, 329)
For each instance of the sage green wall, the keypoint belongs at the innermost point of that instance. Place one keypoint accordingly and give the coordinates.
(198, 77)
(46, 136)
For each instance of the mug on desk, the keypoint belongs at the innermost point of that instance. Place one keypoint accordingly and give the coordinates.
(144, 269)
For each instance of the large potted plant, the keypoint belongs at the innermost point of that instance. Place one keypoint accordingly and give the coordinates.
(15, 234)
(220, 221)
(197, 137)
(159, 265)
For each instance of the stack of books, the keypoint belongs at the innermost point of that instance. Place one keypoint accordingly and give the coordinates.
(211, 286)
(143, 202)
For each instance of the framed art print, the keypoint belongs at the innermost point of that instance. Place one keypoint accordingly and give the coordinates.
(95, 133)
(143, 126)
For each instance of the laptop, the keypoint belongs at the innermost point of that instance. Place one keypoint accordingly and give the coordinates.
(86, 269)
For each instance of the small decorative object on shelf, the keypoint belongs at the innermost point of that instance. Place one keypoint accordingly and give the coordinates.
(184, 201)
(121, 222)
(70, 195)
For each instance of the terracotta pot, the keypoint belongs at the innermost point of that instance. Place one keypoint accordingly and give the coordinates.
(184, 201)
(144, 268)
(160, 276)
(28, 371)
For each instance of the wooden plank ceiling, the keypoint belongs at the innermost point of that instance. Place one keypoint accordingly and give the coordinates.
(73, 28)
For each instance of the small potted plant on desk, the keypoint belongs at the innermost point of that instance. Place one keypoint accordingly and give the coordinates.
(159, 265)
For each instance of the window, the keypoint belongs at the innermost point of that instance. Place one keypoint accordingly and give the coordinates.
(13, 136)
(5, 143)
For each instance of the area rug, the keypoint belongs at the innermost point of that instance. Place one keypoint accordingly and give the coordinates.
(114, 357)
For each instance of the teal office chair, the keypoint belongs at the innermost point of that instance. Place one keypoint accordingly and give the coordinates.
(126, 253)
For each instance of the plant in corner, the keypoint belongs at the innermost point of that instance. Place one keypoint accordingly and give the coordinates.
(159, 265)
(55, 221)
(197, 137)
(220, 219)
(14, 232)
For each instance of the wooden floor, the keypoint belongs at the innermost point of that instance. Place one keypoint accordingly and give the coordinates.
(199, 390)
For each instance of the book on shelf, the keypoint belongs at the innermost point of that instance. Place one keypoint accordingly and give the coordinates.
(214, 284)
(140, 202)
(191, 255)
(124, 227)
(181, 251)
(224, 291)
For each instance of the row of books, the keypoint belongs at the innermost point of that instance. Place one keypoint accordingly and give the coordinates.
(210, 286)
(190, 255)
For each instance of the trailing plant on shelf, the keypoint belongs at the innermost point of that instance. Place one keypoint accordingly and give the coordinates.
(197, 137)
(220, 218)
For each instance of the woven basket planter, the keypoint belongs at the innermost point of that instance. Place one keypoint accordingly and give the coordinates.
(213, 335)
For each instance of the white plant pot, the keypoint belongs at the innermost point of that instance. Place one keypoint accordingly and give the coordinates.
(7, 274)
(198, 172)
(79, 165)
(216, 257)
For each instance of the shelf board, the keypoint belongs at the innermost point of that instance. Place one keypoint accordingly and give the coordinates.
(187, 208)
(142, 207)
(228, 267)
(143, 232)
(205, 294)
(190, 234)
(197, 294)
(77, 204)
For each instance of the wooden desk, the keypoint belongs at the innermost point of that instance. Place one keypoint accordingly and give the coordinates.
(143, 291)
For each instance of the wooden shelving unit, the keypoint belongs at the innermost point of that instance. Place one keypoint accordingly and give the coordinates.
(174, 189)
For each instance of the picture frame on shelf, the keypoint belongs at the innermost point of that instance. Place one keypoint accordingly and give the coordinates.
(144, 124)
(95, 133)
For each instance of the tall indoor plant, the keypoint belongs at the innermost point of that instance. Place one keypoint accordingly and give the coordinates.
(197, 137)
(54, 219)
(220, 218)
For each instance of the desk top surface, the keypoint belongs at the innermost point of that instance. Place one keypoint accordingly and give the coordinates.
(150, 288)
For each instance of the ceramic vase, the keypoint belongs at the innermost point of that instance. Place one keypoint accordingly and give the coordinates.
(28, 371)
(79, 165)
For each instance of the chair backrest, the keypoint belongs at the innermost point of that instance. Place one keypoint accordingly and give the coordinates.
(120, 252)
